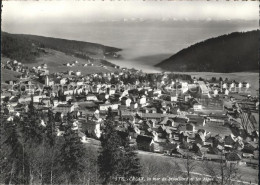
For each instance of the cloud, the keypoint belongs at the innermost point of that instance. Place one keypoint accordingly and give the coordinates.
(87, 11)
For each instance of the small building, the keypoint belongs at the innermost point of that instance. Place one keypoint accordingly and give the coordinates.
(78, 73)
(197, 107)
(226, 92)
(64, 108)
(133, 105)
(91, 97)
(142, 100)
(63, 81)
(203, 88)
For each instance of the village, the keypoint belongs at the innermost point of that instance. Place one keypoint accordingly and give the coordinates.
(167, 113)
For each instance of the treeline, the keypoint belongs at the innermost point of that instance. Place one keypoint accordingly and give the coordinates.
(25, 47)
(235, 52)
(18, 48)
(35, 152)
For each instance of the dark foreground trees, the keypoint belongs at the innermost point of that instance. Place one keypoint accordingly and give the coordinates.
(117, 160)
(70, 160)
(31, 153)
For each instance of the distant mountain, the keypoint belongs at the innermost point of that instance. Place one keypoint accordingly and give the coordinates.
(235, 52)
(26, 48)
(184, 22)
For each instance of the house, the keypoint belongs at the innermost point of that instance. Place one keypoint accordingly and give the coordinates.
(111, 91)
(24, 99)
(197, 107)
(92, 128)
(63, 81)
(249, 148)
(226, 92)
(161, 147)
(133, 105)
(126, 101)
(104, 107)
(142, 100)
(184, 87)
(196, 148)
(203, 88)
(78, 73)
(157, 92)
(190, 127)
(44, 66)
(238, 145)
(46, 101)
(91, 97)
(174, 98)
(229, 140)
(64, 108)
(68, 92)
(233, 157)
(200, 138)
(215, 92)
(83, 137)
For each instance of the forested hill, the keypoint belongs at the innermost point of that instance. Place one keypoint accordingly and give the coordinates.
(26, 48)
(235, 52)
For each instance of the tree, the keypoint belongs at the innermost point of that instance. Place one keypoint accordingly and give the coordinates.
(108, 159)
(117, 158)
(71, 158)
(131, 163)
(221, 172)
(189, 165)
(15, 165)
(213, 79)
(50, 129)
(6, 99)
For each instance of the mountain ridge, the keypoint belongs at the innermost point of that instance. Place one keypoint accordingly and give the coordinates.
(234, 52)
(26, 48)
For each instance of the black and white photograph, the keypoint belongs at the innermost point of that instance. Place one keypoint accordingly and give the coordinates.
(121, 92)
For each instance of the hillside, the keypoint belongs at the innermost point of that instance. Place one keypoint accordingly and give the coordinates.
(235, 52)
(7, 75)
(26, 48)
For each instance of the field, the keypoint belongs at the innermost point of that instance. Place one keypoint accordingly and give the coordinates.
(8, 75)
(162, 163)
(56, 61)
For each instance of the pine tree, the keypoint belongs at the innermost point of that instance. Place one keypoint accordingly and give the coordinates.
(131, 165)
(117, 158)
(109, 157)
(71, 158)
(18, 172)
(50, 129)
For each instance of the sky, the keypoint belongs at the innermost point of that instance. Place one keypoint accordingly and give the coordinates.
(91, 11)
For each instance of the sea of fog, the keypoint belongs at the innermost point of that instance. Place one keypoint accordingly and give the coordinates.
(143, 45)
